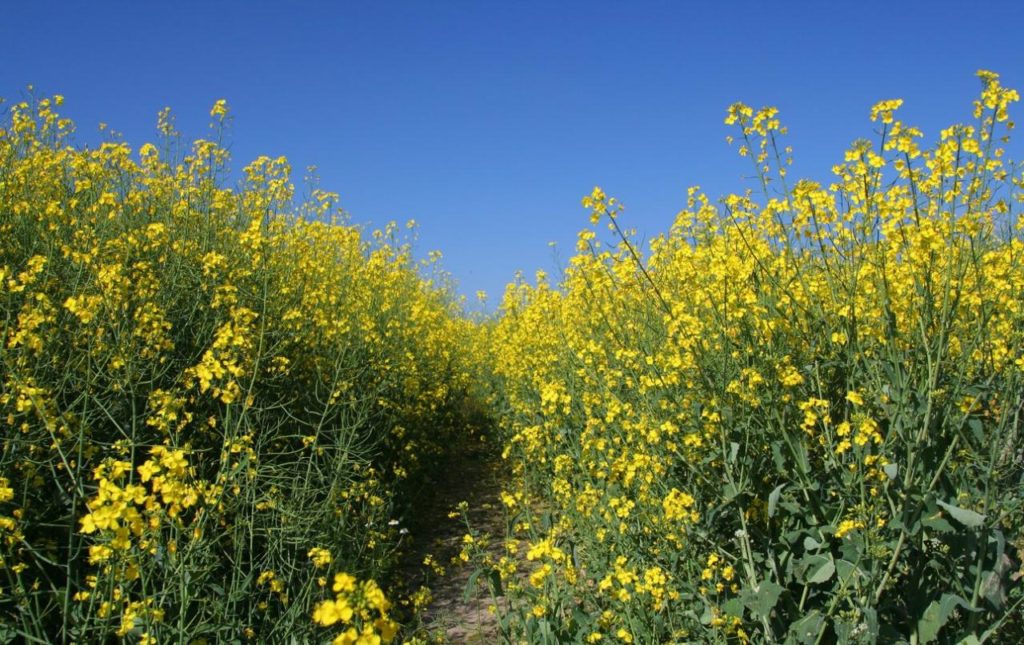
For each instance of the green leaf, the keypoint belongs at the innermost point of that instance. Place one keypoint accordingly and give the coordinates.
(992, 588)
(845, 630)
(802, 463)
(762, 601)
(773, 499)
(938, 523)
(818, 569)
(707, 616)
(967, 517)
(806, 629)
(544, 629)
(936, 615)
(496, 587)
(733, 607)
(471, 585)
(582, 619)
(977, 428)
(847, 570)
(871, 620)
(729, 492)
(780, 461)
(820, 572)
(791, 506)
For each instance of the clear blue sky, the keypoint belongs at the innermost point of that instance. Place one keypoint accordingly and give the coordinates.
(488, 121)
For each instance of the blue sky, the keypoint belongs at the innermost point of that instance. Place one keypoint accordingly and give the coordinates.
(488, 121)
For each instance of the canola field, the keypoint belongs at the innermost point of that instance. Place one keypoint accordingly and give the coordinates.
(793, 417)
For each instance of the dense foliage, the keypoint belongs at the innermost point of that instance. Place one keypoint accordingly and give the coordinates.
(798, 418)
(211, 398)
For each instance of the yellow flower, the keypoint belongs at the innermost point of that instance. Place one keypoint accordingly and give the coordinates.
(344, 583)
(6, 492)
(329, 612)
(320, 557)
(219, 109)
(848, 525)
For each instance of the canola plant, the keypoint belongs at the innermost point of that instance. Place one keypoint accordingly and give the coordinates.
(793, 417)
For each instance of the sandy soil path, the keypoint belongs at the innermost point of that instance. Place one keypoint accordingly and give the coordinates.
(455, 615)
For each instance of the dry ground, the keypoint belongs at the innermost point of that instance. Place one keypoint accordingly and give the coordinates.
(456, 615)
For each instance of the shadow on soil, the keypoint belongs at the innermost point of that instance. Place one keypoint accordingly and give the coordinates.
(474, 476)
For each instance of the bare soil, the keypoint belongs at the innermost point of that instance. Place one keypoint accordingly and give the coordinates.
(457, 614)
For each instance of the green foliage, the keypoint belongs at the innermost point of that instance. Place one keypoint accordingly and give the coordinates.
(201, 387)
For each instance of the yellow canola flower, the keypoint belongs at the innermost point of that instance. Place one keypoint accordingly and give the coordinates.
(330, 612)
(344, 583)
(319, 556)
(219, 109)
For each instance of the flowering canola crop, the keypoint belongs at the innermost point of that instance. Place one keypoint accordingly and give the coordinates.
(211, 398)
(794, 417)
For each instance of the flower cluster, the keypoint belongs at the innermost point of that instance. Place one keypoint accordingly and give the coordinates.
(362, 610)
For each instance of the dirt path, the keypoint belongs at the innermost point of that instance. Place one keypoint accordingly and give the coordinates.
(453, 616)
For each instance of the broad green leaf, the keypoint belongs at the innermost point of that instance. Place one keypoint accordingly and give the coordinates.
(773, 499)
(806, 629)
(818, 569)
(762, 601)
(871, 620)
(845, 630)
(546, 634)
(729, 492)
(930, 624)
(801, 458)
(733, 607)
(992, 588)
(847, 570)
(938, 523)
(977, 429)
(967, 517)
(791, 506)
(936, 615)
(852, 550)
(707, 616)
